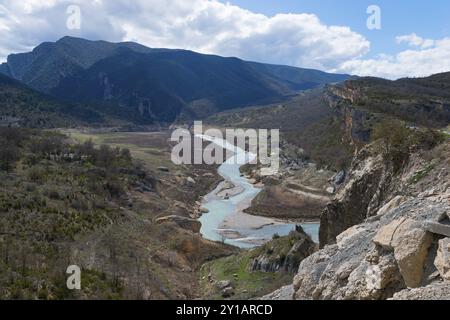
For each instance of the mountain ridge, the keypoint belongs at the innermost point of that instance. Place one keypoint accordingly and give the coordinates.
(172, 82)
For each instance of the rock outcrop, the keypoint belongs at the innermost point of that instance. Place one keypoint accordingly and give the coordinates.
(442, 261)
(285, 254)
(284, 293)
(183, 222)
(385, 236)
(363, 193)
(437, 291)
(376, 259)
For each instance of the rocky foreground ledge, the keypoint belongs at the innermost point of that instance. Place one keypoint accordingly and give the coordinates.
(400, 249)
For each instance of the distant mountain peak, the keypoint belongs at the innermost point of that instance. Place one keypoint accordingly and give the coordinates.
(166, 82)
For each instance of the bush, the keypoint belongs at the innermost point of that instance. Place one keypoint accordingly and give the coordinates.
(395, 141)
(9, 154)
(36, 174)
(105, 157)
(49, 144)
(398, 142)
(115, 188)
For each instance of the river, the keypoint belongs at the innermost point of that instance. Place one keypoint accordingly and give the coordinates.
(226, 220)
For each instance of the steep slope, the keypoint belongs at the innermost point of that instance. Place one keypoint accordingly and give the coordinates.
(155, 84)
(48, 63)
(399, 247)
(20, 105)
(161, 85)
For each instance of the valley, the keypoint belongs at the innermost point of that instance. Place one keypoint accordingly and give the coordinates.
(359, 208)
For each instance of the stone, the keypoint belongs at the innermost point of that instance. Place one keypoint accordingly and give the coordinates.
(347, 235)
(330, 190)
(442, 261)
(204, 210)
(227, 292)
(381, 275)
(386, 233)
(435, 291)
(185, 223)
(437, 228)
(223, 284)
(284, 293)
(394, 203)
(190, 180)
(163, 169)
(339, 178)
(411, 246)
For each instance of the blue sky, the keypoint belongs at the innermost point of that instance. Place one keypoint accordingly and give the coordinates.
(329, 35)
(429, 19)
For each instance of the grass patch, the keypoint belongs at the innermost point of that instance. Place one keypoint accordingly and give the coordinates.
(421, 174)
(246, 284)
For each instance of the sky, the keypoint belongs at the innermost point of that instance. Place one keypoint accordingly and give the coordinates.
(384, 38)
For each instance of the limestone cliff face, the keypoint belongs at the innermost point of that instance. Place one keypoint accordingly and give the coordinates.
(385, 236)
(347, 91)
(355, 121)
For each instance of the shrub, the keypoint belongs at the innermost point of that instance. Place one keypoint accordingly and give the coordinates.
(9, 154)
(115, 188)
(398, 142)
(395, 141)
(36, 174)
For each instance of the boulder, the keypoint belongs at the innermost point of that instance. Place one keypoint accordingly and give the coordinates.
(185, 223)
(411, 246)
(163, 169)
(410, 243)
(385, 234)
(223, 284)
(442, 261)
(437, 228)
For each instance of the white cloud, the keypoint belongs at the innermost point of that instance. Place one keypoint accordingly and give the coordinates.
(210, 26)
(415, 41)
(429, 57)
(207, 26)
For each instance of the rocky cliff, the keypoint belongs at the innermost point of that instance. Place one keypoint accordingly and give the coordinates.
(355, 122)
(284, 255)
(368, 184)
(385, 235)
